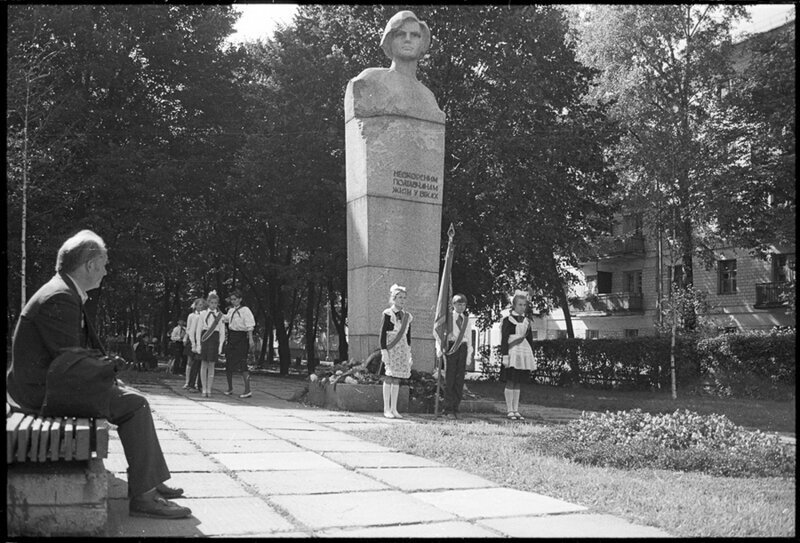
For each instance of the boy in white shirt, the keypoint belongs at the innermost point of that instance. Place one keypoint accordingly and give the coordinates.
(459, 350)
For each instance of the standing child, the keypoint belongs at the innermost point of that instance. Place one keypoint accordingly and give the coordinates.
(210, 336)
(395, 349)
(459, 350)
(240, 323)
(516, 347)
(192, 321)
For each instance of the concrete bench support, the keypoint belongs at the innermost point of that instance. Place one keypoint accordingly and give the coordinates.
(57, 498)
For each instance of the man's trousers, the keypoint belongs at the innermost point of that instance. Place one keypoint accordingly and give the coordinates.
(454, 378)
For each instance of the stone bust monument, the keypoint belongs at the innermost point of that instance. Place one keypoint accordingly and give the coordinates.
(395, 90)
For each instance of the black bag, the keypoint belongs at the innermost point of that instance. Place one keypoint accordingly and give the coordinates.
(79, 383)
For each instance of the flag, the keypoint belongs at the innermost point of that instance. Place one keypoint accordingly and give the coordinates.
(443, 323)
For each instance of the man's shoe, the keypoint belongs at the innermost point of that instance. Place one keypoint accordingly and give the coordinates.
(246, 395)
(169, 492)
(228, 392)
(157, 508)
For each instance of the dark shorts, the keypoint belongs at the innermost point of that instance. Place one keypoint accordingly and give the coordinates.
(236, 351)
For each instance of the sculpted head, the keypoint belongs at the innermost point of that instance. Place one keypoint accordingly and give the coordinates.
(404, 24)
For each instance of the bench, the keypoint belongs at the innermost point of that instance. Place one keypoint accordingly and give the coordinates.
(56, 480)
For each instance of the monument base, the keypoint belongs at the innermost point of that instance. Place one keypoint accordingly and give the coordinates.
(347, 397)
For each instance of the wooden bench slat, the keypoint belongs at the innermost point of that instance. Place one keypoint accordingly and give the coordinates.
(36, 429)
(23, 435)
(82, 439)
(68, 443)
(44, 438)
(12, 423)
(55, 439)
(101, 437)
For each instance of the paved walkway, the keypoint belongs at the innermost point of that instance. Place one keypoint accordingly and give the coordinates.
(268, 467)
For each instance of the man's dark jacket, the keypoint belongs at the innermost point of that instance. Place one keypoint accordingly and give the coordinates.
(51, 320)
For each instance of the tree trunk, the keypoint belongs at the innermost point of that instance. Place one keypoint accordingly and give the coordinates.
(339, 320)
(561, 294)
(311, 329)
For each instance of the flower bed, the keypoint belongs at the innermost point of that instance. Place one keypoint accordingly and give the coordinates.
(681, 441)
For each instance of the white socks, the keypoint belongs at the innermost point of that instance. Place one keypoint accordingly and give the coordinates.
(387, 394)
(515, 400)
(390, 395)
(509, 394)
(395, 394)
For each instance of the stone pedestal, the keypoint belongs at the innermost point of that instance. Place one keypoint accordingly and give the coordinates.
(346, 397)
(57, 499)
(395, 168)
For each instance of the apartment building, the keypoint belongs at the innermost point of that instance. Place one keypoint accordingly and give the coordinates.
(620, 289)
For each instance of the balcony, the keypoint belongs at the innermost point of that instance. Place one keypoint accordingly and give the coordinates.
(769, 295)
(616, 246)
(615, 302)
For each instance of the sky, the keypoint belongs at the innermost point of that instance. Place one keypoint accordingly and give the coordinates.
(259, 20)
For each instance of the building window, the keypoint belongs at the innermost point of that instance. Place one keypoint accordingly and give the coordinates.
(631, 332)
(632, 224)
(561, 334)
(535, 334)
(783, 268)
(592, 334)
(633, 282)
(603, 282)
(727, 276)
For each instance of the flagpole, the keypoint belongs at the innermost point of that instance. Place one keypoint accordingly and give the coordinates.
(445, 286)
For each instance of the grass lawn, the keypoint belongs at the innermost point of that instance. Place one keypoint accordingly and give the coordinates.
(762, 414)
(682, 504)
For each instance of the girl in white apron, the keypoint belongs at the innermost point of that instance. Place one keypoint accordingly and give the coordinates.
(516, 347)
(395, 349)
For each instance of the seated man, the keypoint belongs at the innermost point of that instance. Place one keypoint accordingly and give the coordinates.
(55, 318)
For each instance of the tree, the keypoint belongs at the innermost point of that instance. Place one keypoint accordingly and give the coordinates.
(663, 65)
(754, 192)
(152, 126)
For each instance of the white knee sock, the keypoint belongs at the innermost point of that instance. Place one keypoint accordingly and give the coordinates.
(387, 392)
(509, 394)
(395, 394)
(516, 400)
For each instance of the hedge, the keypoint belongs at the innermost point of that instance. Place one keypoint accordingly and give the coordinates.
(756, 364)
(751, 364)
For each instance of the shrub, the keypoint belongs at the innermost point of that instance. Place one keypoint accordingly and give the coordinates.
(681, 441)
(751, 364)
(637, 362)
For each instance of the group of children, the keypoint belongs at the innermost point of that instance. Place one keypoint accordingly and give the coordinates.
(208, 329)
(516, 348)
(208, 332)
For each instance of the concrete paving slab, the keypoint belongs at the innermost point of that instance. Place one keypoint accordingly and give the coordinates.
(318, 435)
(359, 509)
(428, 530)
(340, 445)
(344, 426)
(168, 447)
(411, 479)
(219, 424)
(274, 461)
(176, 462)
(194, 485)
(246, 446)
(495, 502)
(586, 525)
(290, 424)
(381, 460)
(309, 481)
(326, 416)
(210, 517)
(196, 434)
